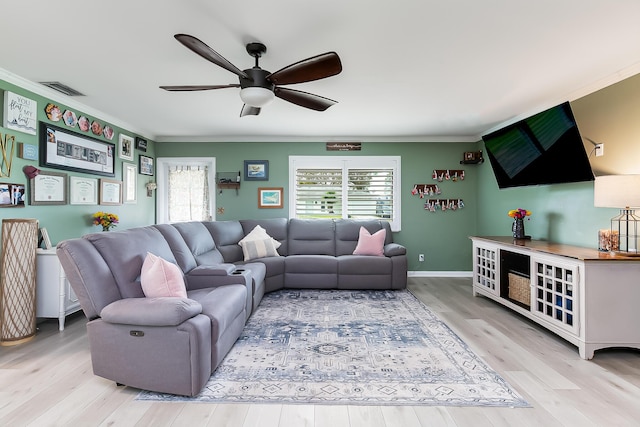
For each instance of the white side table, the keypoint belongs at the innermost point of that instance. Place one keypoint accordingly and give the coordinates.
(54, 296)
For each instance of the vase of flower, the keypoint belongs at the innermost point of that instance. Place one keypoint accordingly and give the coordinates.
(517, 228)
(105, 219)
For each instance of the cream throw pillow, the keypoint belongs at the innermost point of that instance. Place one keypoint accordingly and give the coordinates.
(258, 244)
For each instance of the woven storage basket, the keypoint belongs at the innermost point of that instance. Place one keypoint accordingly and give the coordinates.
(519, 289)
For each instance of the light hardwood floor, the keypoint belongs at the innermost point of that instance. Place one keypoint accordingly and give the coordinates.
(48, 381)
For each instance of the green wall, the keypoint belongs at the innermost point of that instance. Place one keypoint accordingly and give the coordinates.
(68, 221)
(441, 236)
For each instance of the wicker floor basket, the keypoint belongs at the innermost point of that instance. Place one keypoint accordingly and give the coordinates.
(519, 289)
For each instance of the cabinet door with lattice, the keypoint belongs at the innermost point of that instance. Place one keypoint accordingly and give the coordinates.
(556, 293)
(486, 268)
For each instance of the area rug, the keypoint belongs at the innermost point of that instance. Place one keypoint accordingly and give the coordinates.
(350, 347)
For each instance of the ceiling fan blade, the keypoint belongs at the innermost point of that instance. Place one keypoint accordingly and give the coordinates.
(207, 53)
(304, 99)
(314, 68)
(248, 110)
(196, 87)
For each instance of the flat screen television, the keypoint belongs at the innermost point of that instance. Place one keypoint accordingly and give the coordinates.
(545, 148)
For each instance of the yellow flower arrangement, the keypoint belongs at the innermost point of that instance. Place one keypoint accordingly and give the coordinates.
(105, 219)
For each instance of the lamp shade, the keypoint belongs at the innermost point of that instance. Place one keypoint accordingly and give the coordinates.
(256, 96)
(617, 191)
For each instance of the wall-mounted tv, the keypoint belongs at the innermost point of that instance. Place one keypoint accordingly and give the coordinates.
(545, 148)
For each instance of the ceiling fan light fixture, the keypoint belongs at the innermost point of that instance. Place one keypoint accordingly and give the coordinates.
(256, 96)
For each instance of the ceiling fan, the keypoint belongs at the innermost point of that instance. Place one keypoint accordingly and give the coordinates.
(258, 87)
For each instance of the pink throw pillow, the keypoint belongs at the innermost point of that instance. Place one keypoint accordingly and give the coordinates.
(370, 244)
(161, 278)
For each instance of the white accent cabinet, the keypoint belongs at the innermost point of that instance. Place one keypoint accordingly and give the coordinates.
(54, 296)
(588, 297)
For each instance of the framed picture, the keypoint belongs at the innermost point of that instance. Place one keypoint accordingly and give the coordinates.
(83, 191)
(126, 147)
(129, 182)
(62, 149)
(146, 165)
(48, 188)
(12, 195)
(110, 192)
(270, 197)
(45, 238)
(141, 144)
(20, 113)
(256, 170)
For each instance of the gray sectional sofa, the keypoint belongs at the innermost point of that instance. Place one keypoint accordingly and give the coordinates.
(172, 345)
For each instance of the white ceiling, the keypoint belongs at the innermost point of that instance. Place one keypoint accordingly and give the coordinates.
(420, 70)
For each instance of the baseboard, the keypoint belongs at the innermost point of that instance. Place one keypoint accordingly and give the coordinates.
(440, 274)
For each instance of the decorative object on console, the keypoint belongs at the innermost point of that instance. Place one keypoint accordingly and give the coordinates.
(517, 228)
(614, 191)
(105, 219)
(18, 281)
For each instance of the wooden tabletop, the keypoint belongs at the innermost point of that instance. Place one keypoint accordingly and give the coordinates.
(577, 252)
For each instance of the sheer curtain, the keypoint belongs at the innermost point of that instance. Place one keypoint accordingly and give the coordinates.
(188, 193)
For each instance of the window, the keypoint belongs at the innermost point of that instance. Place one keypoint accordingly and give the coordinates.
(345, 187)
(184, 189)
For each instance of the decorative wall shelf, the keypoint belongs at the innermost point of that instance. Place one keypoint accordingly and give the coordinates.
(228, 181)
(472, 158)
(448, 174)
(435, 205)
(425, 190)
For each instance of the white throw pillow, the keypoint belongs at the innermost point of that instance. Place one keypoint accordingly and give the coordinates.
(258, 244)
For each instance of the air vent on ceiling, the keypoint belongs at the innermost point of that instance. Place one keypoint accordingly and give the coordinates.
(62, 88)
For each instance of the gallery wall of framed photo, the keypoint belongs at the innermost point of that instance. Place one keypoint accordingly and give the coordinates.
(62, 163)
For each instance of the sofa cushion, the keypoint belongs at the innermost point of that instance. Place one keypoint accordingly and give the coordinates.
(311, 237)
(160, 278)
(200, 242)
(126, 264)
(370, 244)
(258, 244)
(227, 234)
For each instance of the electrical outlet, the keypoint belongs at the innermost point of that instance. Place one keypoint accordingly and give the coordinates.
(599, 150)
(421, 257)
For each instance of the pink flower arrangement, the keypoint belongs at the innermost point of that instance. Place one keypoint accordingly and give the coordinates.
(519, 213)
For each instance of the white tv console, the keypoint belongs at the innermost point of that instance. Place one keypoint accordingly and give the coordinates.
(588, 297)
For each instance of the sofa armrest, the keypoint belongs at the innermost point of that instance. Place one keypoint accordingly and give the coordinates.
(163, 311)
(211, 276)
(394, 249)
(213, 270)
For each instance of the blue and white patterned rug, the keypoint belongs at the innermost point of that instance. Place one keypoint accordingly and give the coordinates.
(350, 347)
